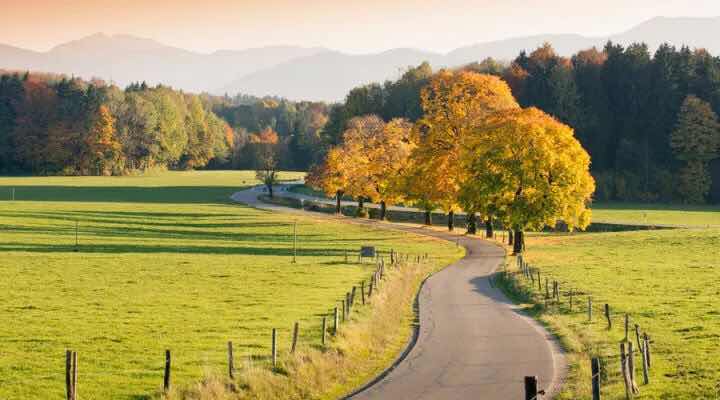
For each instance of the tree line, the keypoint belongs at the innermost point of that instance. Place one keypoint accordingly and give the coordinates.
(473, 149)
(56, 125)
(631, 111)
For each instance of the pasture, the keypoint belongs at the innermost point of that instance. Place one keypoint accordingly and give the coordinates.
(678, 215)
(666, 280)
(163, 262)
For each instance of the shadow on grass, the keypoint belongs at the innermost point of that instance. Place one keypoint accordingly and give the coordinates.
(126, 194)
(104, 248)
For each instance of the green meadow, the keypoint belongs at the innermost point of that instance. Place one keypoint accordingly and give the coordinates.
(162, 262)
(676, 215)
(666, 280)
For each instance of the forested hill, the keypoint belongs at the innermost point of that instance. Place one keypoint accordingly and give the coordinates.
(631, 108)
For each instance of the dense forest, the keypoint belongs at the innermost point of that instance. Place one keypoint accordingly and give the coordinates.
(624, 103)
(55, 125)
(51, 124)
(635, 112)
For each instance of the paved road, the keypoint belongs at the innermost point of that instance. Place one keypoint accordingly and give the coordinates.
(472, 342)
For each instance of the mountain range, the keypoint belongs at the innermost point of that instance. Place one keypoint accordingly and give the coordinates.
(310, 73)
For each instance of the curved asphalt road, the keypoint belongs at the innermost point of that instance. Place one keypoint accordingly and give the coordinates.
(472, 342)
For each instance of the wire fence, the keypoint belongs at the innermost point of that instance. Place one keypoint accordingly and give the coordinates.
(631, 358)
(328, 325)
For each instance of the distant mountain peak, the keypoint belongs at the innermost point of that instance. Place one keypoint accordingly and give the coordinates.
(101, 42)
(313, 73)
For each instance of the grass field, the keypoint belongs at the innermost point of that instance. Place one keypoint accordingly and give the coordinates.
(657, 214)
(667, 281)
(164, 262)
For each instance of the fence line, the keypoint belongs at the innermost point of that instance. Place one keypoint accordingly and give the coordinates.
(349, 301)
(553, 302)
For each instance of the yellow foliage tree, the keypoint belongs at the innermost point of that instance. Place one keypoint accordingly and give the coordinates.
(368, 165)
(529, 166)
(105, 151)
(455, 105)
(329, 177)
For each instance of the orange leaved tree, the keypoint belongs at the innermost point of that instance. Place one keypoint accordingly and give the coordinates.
(455, 105)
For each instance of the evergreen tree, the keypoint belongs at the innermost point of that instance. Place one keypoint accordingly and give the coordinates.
(695, 140)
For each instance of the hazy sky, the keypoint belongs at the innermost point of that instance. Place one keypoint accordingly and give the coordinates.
(349, 25)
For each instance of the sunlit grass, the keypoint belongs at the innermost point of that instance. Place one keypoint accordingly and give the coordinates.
(164, 262)
(657, 214)
(667, 281)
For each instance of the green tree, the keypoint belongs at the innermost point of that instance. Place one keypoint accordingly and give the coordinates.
(695, 140)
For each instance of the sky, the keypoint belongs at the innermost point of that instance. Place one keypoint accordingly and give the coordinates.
(347, 25)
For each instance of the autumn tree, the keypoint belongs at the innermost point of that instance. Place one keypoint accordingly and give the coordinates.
(695, 140)
(264, 146)
(358, 167)
(530, 166)
(104, 150)
(417, 188)
(330, 176)
(455, 104)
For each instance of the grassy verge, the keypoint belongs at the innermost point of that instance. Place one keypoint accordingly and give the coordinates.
(666, 281)
(365, 345)
(163, 262)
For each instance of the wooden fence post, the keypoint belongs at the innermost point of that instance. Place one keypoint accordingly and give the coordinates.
(68, 374)
(547, 289)
(166, 377)
(231, 361)
(74, 375)
(352, 296)
(296, 332)
(646, 367)
(627, 327)
(531, 388)
(348, 304)
(362, 292)
(336, 322)
(595, 367)
(637, 337)
(324, 331)
(631, 368)
(607, 315)
(646, 341)
(274, 347)
(539, 283)
(624, 371)
(344, 312)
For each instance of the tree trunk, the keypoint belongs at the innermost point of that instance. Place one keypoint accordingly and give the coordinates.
(428, 218)
(489, 228)
(471, 224)
(338, 203)
(270, 190)
(510, 237)
(518, 241)
(383, 210)
(361, 206)
(451, 221)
